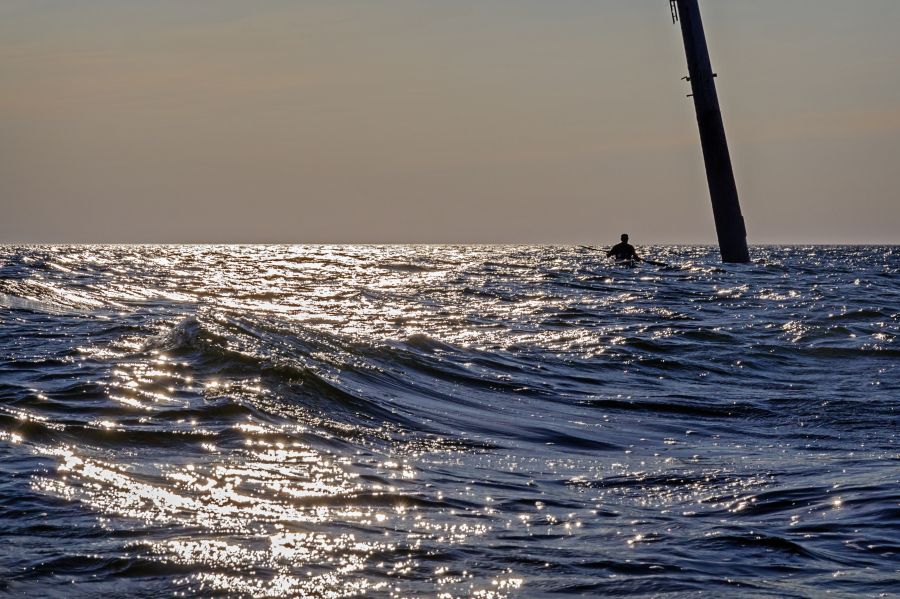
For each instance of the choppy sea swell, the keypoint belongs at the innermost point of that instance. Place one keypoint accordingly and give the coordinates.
(331, 421)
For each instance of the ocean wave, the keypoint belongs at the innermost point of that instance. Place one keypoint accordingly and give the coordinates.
(515, 421)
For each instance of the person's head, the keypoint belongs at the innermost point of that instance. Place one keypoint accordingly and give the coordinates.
(624, 237)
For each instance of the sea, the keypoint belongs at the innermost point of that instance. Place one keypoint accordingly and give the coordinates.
(448, 421)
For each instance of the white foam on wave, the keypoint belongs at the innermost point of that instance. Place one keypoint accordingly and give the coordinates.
(183, 334)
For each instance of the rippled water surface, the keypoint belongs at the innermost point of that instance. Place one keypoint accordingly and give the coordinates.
(331, 421)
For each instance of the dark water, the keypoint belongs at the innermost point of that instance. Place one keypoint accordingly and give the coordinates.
(448, 421)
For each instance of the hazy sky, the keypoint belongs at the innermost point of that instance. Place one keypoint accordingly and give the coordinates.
(440, 120)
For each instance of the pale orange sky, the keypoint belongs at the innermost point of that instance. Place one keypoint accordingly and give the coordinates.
(560, 121)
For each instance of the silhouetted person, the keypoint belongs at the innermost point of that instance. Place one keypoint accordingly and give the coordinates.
(624, 251)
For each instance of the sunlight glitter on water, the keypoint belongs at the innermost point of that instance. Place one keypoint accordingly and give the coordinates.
(446, 421)
(267, 501)
(252, 501)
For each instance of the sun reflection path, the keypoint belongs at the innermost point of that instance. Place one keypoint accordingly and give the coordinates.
(269, 520)
(247, 523)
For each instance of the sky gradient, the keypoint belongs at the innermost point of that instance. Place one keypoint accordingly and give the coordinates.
(553, 121)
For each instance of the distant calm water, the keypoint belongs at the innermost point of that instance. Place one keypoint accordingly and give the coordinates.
(329, 421)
